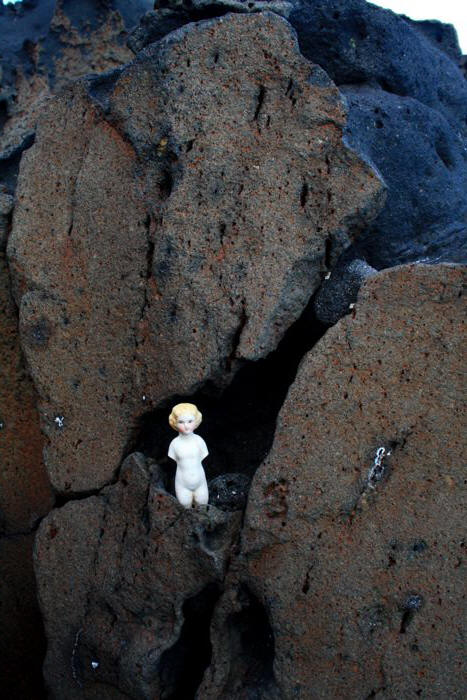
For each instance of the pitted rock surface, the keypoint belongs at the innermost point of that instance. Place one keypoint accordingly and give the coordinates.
(407, 112)
(360, 567)
(136, 567)
(157, 246)
(25, 494)
(423, 161)
(43, 46)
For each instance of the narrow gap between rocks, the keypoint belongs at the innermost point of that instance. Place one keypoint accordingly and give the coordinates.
(182, 666)
(238, 422)
(251, 649)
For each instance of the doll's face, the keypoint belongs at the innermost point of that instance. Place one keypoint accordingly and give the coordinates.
(186, 423)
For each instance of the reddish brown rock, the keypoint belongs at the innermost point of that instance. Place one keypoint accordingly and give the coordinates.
(158, 246)
(25, 494)
(127, 582)
(360, 566)
(51, 44)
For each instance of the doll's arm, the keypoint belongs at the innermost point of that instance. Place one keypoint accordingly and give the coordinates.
(203, 448)
(171, 452)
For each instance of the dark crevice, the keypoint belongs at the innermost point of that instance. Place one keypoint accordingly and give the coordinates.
(181, 667)
(251, 649)
(304, 194)
(236, 339)
(6, 535)
(328, 252)
(3, 113)
(412, 605)
(238, 421)
(166, 184)
(61, 499)
(260, 102)
(10, 160)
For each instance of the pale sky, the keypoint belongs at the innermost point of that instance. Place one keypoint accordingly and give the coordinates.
(451, 11)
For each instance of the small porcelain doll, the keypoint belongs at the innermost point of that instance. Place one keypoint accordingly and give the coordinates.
(188, 450)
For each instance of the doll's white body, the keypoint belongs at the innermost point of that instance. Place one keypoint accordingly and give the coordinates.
(188, 450)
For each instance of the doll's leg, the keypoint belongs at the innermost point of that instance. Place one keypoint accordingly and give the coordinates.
(202, 495)
(184, 495)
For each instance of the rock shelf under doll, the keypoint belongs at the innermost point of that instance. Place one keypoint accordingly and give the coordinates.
(188, 450)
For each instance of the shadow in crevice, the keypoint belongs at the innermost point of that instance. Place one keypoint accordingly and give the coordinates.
(182, 666)
(238, 422)
(251, 642)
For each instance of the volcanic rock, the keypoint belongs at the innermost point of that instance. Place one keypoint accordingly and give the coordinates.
(161, 244)
(353, 536)
(423, 162)
(339, 290)
(407, 112)
(46, 44)
(229, 491)
(139, 575)
(25, 494)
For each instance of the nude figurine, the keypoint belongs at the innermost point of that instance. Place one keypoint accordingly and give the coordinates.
(188, 450)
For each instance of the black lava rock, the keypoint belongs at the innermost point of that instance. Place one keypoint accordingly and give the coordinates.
(423, 161)
(229, 491)
(335, 296)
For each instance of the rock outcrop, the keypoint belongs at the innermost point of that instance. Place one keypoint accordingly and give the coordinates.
(172, 221)
(187, 226)
(353, 535)
(407, 100)
(44, 45)
(129, 614)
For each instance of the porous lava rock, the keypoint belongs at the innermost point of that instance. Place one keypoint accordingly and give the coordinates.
(25, 493)
(127, 581)
(423, 161)
(172, 221)
(407, 100)
(339, 290)
(354, 536)
(46, 44)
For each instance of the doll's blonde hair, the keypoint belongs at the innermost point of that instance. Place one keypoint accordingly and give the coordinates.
(182, 408)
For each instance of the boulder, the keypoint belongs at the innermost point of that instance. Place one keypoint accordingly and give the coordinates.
(127, 582)
(407, 101)
(353, 536)
(173, 219)
(44, 45)
(423, 162)
(355, 42)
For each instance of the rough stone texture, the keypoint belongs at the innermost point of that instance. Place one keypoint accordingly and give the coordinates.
(137, 571)
(22, 642)
(43, 46)
(410, 120)
(173, 14)
(361, 573)
(229, 491)
(158, 247)
(423, 161)
(25, 493)
(339, 290)
(443, 36)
